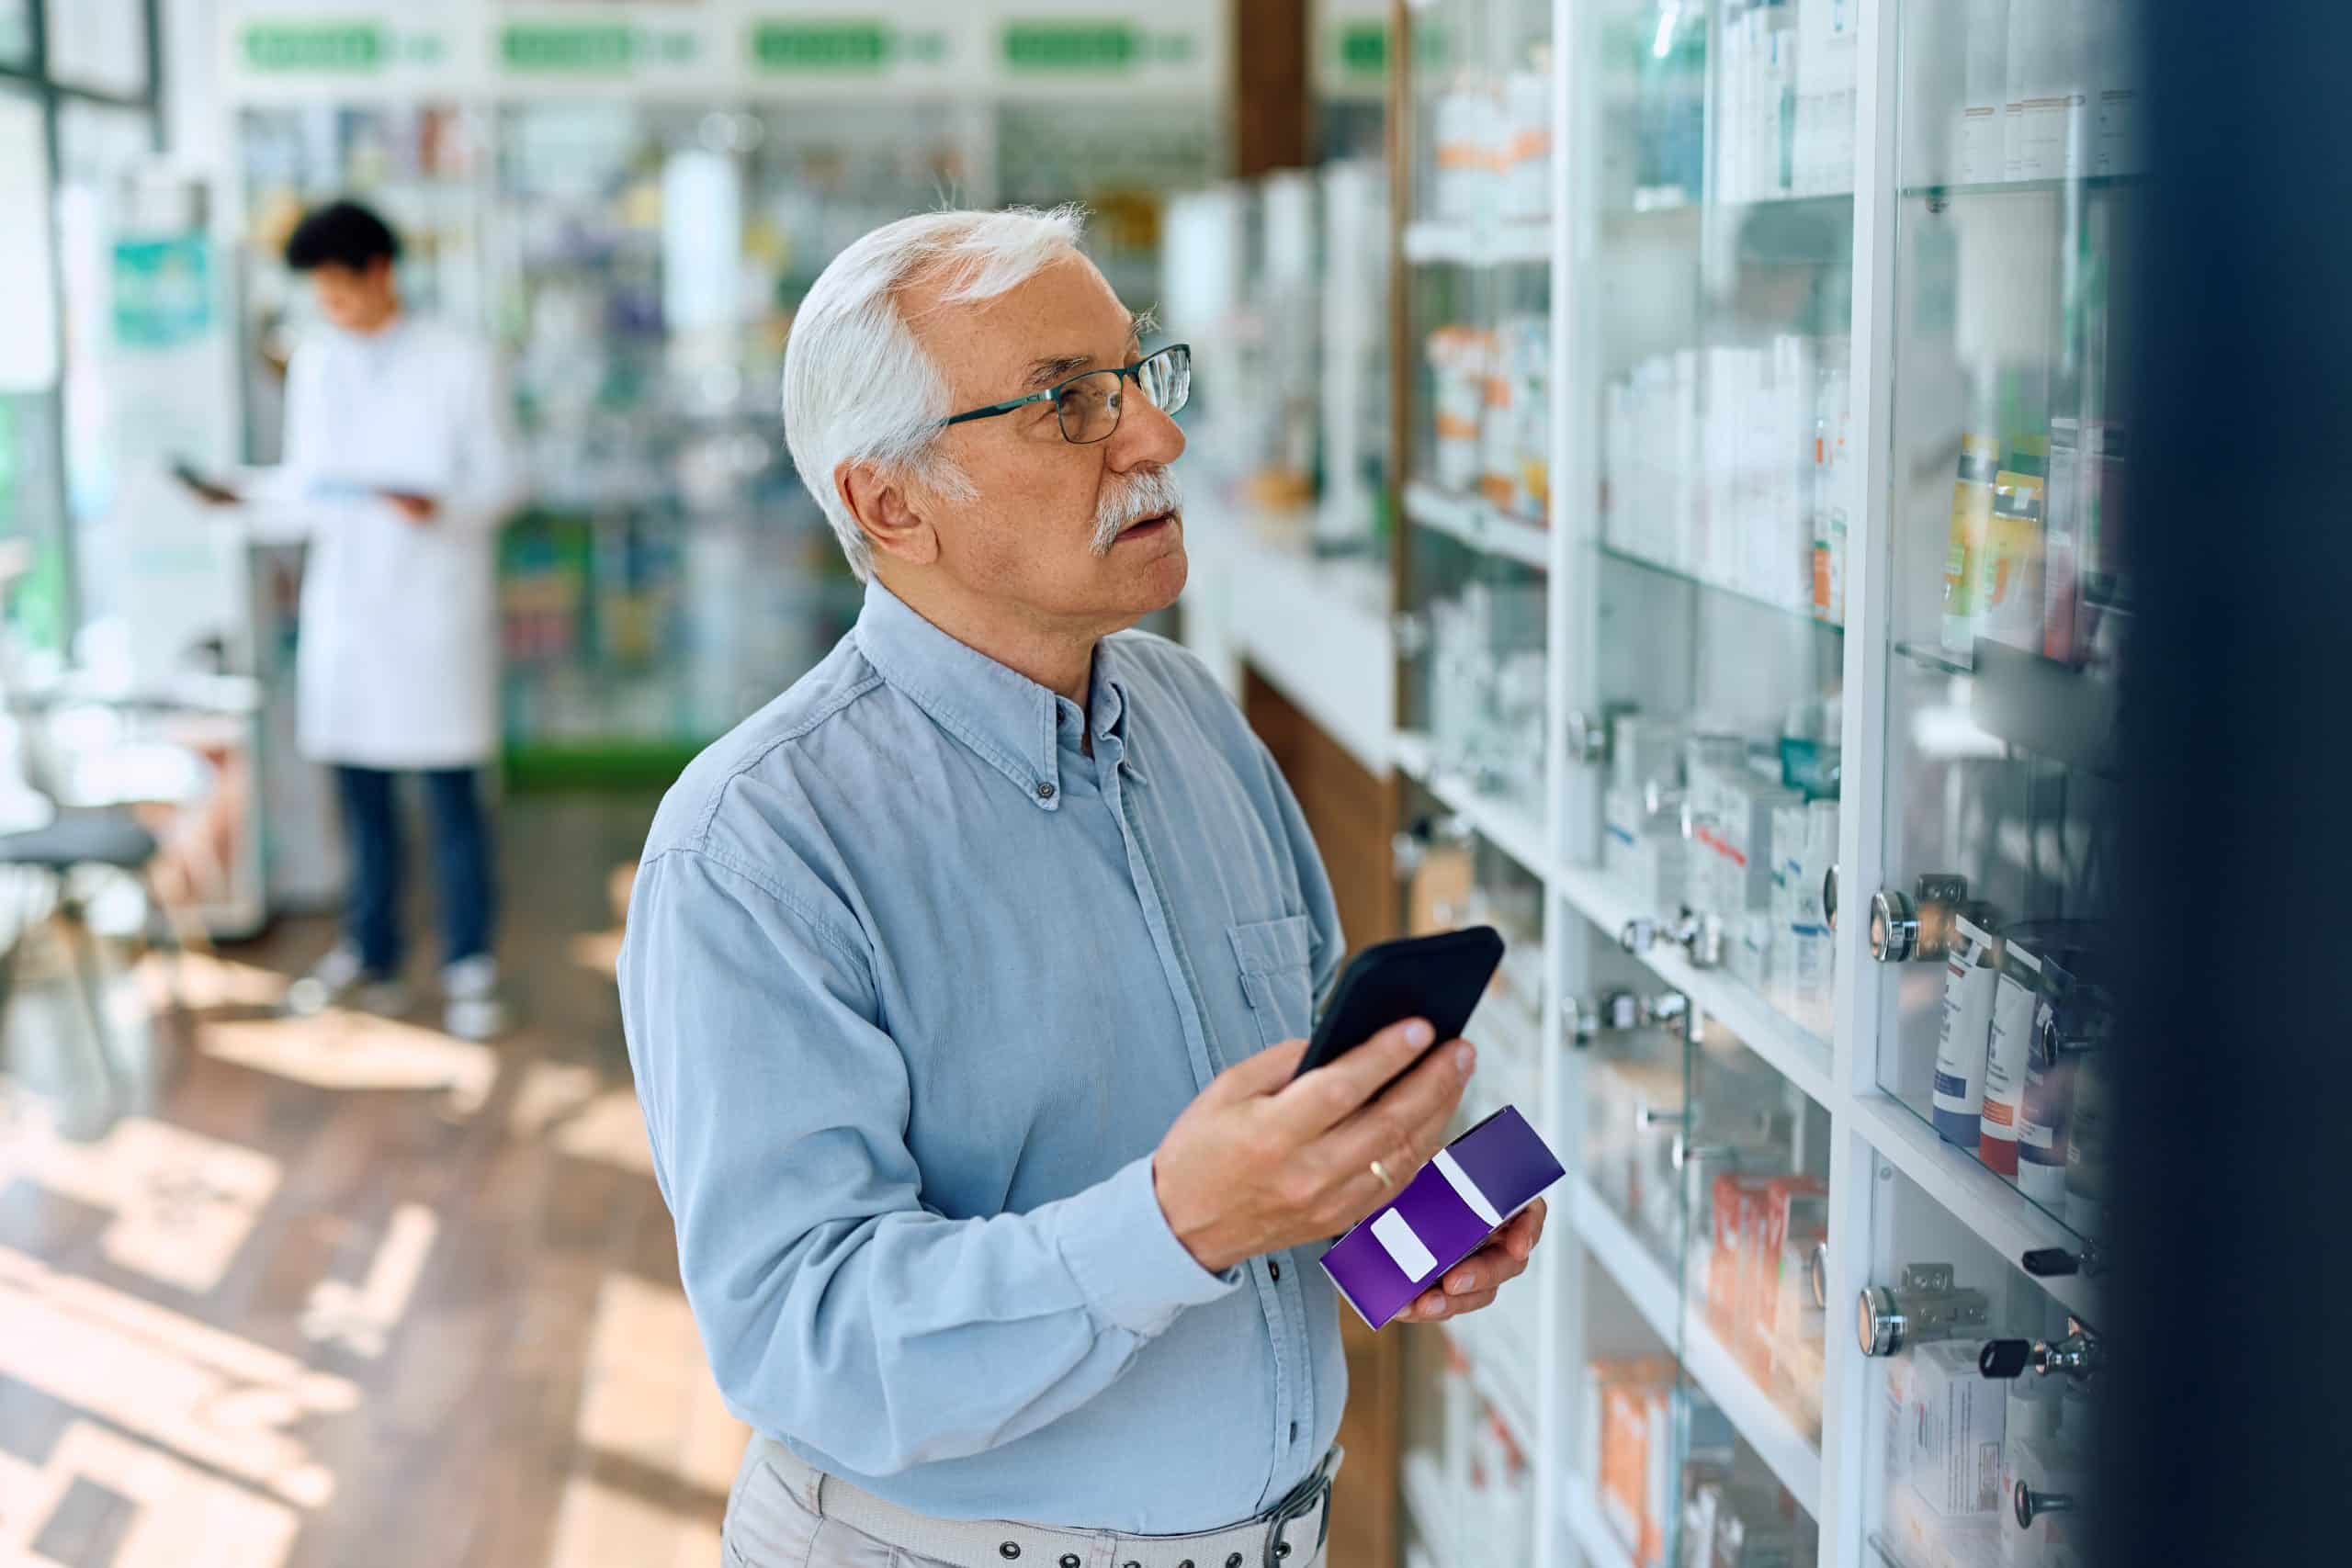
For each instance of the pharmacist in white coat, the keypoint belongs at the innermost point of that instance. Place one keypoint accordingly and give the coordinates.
(399, 469)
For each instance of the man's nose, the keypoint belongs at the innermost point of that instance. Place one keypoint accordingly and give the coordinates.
(1146, 436)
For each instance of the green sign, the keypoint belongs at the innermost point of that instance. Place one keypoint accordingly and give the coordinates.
(852, 47)
(1364, 49)
(355, 48)
(568, 49)
(1099, 49)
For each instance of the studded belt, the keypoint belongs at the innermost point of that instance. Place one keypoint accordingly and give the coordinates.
(1289, 1535)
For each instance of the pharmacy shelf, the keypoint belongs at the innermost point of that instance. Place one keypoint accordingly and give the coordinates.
(1522, 242)
(1779, 1041)
(1508, 827)
(1596, 1542)
(2002, 1217)
(1496, 1382)
(1783, 1445)
(1640, 561)
(1338, 664)
(1424, 1491)
(1478, 524)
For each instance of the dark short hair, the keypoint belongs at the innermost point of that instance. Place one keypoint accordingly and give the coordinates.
(341, 233)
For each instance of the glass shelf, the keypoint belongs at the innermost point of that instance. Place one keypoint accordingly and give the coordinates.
(2026, 187)
(1625, 556)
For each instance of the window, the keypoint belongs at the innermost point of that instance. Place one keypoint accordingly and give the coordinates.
(99, 46)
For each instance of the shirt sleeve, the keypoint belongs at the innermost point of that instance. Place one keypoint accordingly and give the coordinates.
(491, 483)
(836, 1308)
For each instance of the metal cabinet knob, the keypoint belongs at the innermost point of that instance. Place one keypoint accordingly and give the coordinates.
(1927, 1302)
(1895, 926)
(1647, 1117)
(1829, 895)
(1588, 738)
(2032, 1504)
(1817, 1269)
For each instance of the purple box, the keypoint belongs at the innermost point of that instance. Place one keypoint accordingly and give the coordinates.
(1441, 1216)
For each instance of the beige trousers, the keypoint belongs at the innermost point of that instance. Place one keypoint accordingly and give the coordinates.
(774, 1520)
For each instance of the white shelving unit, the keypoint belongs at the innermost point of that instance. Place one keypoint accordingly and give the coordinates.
(1619, 611)
(1494, 244)
(1478, 524)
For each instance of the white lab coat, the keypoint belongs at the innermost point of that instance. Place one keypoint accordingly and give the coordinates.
(398, 666)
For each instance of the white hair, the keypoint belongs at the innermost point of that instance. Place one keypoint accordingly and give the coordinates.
(858, 388)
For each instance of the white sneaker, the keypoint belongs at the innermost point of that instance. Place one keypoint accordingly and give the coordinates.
(340, 979)
(330, 980)
(471, 1009)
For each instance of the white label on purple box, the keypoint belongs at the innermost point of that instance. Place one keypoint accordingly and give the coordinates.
(1466, 1189)
(1403, 1248)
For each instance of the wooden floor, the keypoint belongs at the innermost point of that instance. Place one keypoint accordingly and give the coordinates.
(349, 1292)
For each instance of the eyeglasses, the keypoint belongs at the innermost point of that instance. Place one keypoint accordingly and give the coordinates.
(1088, 404)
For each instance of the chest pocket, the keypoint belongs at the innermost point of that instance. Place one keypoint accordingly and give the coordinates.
(1276, 959)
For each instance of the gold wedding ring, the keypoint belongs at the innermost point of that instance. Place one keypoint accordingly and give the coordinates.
(1381, 1171)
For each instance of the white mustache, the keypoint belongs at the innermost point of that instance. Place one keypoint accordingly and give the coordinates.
(1150, 492)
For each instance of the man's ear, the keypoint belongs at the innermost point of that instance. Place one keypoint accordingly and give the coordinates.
(890, 516)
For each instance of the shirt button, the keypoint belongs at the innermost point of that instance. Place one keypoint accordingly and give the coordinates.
(1009, 1550)
(1069, 1560)
(1234, 1561)
(1274, 1269)
(1044, 792)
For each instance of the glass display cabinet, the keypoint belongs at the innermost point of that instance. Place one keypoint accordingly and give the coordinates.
(1470, 360)
(1776, 628)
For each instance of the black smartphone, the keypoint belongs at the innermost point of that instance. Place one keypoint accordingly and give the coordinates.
(1438, 977)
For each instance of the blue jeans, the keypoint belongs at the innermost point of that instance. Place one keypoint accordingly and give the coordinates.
(462, 864)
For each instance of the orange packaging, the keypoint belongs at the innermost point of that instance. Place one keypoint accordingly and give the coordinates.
(1627, 1395)
(1735, 1195)
(1768, 1231)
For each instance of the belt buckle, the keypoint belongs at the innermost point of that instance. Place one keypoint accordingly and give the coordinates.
(1315, 1494)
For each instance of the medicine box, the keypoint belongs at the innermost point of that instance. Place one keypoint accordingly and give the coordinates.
(1443, 1214)
(1958, 1418)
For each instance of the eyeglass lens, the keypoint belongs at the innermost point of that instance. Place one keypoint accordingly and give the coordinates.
(1089, 406)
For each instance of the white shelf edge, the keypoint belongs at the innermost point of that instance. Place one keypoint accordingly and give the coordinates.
(1493, 1386)
(2001, 1216)
(1478, 524)
(1591, 1531)
(1509, 829)
(1792, 1456)
(1500, 243)
(1335, 665)
(1420, 1483)
(1777, 1039)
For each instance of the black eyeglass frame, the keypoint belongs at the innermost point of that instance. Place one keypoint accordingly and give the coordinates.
(1052, 394)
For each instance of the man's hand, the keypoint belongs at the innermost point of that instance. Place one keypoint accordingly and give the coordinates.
(416, 508)
(1471, 1283)
(1258, 1163)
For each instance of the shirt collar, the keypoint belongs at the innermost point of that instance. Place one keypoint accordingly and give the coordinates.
(1007, 719)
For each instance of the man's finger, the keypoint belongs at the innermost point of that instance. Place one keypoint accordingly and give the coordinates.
(1328, 1095)
(1262, 1074)
(1409, 1122)
(1483, 1271)
(1526, 1229)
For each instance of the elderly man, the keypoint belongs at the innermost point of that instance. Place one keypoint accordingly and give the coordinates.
(965, 983)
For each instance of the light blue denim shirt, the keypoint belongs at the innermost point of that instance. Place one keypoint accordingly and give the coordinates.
(913, 987)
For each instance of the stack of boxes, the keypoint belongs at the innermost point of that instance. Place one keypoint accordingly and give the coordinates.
(1786, 113)
(1492, 141)
(1689, 823)
(1724, 464)
(1492, 414)
(1761, 1233)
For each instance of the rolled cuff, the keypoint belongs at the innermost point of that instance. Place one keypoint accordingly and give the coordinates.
(1117, 1244)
